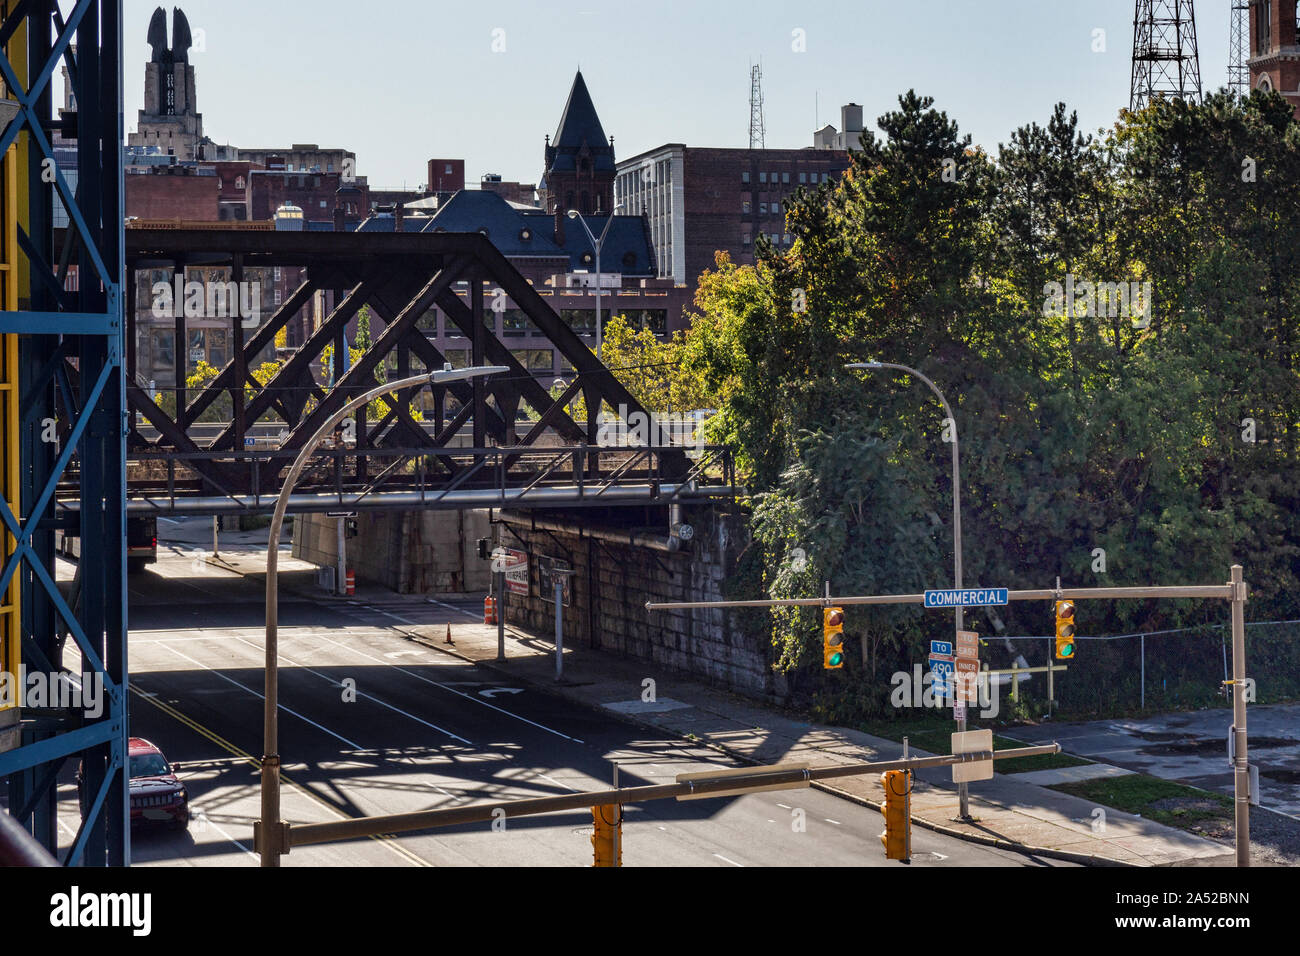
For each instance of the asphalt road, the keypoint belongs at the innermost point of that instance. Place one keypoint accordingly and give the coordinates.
(426, 730)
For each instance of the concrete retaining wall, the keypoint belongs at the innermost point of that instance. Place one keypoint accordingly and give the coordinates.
(411, 552)
(614, 581)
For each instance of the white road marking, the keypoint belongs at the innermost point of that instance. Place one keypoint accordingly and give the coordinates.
(836, 822)
(353, 744)
(370, 697)
(785, 806)
(208, 821)
(452, 607)
(449, 689)
(725, 860)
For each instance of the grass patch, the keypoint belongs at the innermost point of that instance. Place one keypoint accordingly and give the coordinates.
(1163, 801)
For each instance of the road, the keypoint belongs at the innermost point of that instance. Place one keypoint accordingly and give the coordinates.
(423, 730)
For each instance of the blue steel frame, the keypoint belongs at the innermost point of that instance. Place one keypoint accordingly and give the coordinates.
(71, 371)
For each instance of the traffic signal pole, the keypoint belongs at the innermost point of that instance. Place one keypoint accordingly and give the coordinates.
(1234, 591)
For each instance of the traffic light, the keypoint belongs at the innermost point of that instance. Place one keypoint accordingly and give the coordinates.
(897, 838)
(351, 530)
(832, 638)
(1064, 630)
(607, 835)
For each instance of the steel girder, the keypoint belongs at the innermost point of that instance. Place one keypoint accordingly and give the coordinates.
(399, 277)
(69, 320)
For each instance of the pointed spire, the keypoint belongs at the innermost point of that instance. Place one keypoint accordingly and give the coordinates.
(579, 122)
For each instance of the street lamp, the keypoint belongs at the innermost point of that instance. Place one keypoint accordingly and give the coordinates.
(271, 831)
(962, 790)
(596, 244)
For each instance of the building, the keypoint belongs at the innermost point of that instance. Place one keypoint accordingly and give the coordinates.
(701, 200)
(446, 176)
(302, 157)
(524, 194)
(579, 167)
(1275, 48)
(848, 138)
(554, 254)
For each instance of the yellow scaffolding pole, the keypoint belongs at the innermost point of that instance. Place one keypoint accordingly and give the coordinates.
(12, 278)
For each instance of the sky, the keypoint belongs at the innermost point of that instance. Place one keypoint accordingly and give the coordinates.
(402, 81)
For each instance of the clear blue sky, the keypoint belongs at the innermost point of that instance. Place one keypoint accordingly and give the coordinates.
(402, 81)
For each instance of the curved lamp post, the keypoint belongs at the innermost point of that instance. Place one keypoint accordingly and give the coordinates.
(596, 244)
(964, 811)
(270, 831)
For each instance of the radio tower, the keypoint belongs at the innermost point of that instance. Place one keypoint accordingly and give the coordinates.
(1238, 70)
(1165, 61)
(757, 130)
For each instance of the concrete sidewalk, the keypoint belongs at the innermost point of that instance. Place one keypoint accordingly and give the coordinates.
(1010, 812)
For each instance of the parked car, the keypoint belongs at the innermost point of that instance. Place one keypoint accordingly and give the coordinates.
(157, 796)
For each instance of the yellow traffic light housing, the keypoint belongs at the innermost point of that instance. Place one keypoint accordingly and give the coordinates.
(1064, 630)
(897, 810)
(607, 835)
(832, 638)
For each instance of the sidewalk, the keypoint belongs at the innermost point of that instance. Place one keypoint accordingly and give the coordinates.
(1010, 812)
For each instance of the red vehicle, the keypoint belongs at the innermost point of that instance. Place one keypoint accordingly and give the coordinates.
(157, 796)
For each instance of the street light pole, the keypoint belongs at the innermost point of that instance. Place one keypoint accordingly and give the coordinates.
(270, 833)
(596, 244)
(958, 617)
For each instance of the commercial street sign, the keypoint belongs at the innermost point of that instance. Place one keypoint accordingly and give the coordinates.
(966, 597)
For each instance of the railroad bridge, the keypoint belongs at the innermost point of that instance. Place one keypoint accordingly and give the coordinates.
(464, 446)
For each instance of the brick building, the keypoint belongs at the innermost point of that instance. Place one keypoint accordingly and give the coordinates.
(579, 167)
(699, 200)
(1275, 48)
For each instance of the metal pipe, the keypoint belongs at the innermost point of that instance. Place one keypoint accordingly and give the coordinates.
(563, 496)
(1241, 766)
(1221, 592)
(271, 832)
(310, 833)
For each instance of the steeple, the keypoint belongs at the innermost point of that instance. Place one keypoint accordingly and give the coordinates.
(579, 170)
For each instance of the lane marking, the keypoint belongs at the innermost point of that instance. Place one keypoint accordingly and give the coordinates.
(448, 688)
(381, 703)
(451, 607)
(351, 743)
(836, 822)
(384, 838)
(732, 862)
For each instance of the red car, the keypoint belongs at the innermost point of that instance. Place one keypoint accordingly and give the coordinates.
(156, 795)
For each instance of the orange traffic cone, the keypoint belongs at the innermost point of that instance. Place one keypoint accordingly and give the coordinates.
(449, 640)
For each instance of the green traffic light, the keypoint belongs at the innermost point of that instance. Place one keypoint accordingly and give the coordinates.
(837, 659)
(1067, 650)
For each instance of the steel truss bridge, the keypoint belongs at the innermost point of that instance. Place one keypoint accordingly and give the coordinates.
(404, 459)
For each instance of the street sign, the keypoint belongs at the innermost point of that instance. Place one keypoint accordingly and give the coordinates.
(958, 710)
(942, 670)
(968, 672)
(941, 647)
(968, 645)
(970, 742)
(516, 571)
(966, 597)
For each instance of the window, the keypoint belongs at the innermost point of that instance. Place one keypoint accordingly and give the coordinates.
(745, 239)
(786, 238)
(656, 320)
(164, 348)
(582, 321)
(762, 209)
(540, 360)
(217, 348)
(803, 177)
(459, 358)
(514, 323)
(746, 207)
(446, 171)
(744, 176)
(762, 177)
(776, 209)
(785, 177)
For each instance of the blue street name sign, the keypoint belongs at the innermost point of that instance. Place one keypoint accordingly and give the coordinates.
(966, 597)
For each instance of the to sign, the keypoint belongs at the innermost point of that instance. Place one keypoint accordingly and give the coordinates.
(942, 647)
(968, 645)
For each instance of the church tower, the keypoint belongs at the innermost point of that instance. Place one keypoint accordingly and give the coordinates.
(579, 168)
(170, 119)
(1275, 48)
